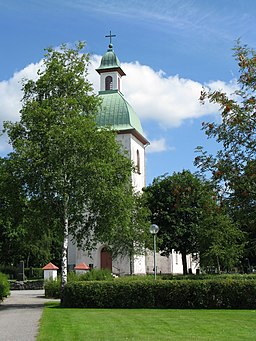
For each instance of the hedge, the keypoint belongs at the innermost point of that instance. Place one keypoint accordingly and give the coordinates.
(34, 273)
(182, 294)
(30, 273)
(4, 286)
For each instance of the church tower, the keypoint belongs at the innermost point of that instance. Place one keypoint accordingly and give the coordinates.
(118, 114)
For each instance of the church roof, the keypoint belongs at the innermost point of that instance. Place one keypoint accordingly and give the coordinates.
(117, 113)
(110, 61)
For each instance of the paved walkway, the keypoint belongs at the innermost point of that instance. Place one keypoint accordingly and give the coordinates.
(20, 314)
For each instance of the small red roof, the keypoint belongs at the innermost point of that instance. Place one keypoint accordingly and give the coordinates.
(50, 266)
(82, 266)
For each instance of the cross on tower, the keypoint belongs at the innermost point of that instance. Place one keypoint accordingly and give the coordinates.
(110, 37)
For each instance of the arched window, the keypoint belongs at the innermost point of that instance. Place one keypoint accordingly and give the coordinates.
(108, 83)
(138, 161)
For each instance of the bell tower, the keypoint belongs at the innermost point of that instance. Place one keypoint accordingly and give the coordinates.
(110, 70)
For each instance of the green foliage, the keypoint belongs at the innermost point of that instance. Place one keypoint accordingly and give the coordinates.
(131, 238)
(97, 275)
(92, 275)
(34, 273)
(19, 216)
(180, 294)
(233, 168)
(53, 288)
(212, 277)
(9, 270)
(71, 172)
(4, 286)
(177, 205)
(191, 220)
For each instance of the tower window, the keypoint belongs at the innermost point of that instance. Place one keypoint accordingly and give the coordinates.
(108, 83)
(138, 161)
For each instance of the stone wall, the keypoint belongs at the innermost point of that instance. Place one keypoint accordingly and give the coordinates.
(27, 285)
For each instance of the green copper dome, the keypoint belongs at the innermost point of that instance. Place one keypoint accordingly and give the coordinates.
(109, 60)
(117, 113)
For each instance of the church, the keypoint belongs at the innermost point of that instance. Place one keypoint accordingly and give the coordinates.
(118, 114)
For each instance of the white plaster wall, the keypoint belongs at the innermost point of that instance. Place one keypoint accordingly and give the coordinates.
(131, 144)
(139, 265)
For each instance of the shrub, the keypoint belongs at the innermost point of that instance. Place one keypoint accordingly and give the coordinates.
(34, 273)
(97, 275)
(4, 286)
(9, 270)
(52, 288)
(161, 294)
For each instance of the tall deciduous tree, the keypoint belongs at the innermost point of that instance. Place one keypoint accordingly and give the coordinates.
(19, 240)
(132, 239)
(63, 158)
(234, 165)
(191, 221)
(177, 203)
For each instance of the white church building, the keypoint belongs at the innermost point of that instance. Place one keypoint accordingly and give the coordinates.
(118, 113)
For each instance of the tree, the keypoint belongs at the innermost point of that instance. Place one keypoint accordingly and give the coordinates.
(131, 240)
(191, 221)
(61, 156)
(233, 167)
(221, 242)
(177, 205)
(18, 216)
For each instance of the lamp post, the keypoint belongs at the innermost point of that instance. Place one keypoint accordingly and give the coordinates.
(153, 230)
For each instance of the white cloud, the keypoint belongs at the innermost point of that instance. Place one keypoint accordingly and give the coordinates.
(157, 146)
(168, 101)
(11, 94)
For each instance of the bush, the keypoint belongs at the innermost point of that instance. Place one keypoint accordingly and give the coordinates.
(52, 288)
(9, 270)
(161, 294)
(34, 273)
(4, 286)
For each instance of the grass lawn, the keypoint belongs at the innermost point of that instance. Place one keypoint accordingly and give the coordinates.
(145, 324)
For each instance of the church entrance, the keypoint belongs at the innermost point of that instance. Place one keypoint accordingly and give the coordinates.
(105, 259)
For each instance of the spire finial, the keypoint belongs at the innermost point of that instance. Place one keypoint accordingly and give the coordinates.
(110, 36)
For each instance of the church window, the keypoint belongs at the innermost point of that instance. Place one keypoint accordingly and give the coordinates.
(138, 161)
(108, 83)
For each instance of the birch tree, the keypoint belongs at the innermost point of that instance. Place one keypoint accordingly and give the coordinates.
(62, 157)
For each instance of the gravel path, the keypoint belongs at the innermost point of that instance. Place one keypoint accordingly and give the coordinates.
(20, 314)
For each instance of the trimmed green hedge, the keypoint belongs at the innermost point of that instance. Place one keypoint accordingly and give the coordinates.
(182, 294)
(34, 273)
(4, 286)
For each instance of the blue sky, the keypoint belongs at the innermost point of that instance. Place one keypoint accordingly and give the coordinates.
(168, 49)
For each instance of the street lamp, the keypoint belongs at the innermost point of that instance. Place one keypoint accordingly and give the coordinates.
(153, 230)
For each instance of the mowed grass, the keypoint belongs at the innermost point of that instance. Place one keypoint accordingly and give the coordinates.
(145, 324)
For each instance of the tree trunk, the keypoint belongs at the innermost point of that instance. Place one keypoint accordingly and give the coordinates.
(218, 264)
(184, 262)
(131, 263)
(64, 260)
